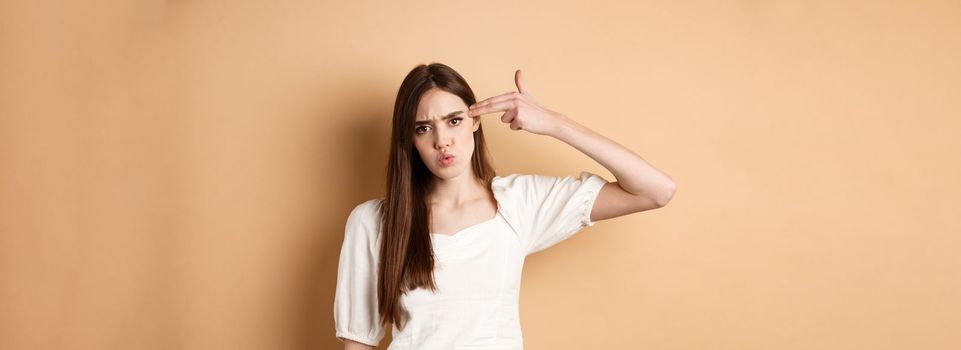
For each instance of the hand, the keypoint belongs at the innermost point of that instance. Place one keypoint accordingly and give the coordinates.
(521, 110)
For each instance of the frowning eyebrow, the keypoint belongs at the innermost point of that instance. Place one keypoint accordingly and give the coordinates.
(448, 116)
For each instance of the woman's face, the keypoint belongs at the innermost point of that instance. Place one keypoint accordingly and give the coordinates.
(441, 128)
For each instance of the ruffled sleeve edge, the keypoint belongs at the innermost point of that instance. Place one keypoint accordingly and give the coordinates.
(593, 184)
(367, 340)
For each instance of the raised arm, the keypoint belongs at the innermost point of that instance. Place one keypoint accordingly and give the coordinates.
(639, 185)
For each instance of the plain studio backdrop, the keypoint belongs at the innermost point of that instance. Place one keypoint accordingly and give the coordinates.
(178, 174)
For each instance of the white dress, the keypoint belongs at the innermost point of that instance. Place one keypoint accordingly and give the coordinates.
(477, 269)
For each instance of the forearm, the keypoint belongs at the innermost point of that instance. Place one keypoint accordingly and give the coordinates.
(352, 345)
(633, 173)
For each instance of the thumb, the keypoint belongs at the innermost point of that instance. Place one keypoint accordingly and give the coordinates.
(521, 87)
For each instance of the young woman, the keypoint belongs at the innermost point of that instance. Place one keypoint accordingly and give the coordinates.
(439, 258)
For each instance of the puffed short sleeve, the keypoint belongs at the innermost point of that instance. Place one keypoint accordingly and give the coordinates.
(356, 316)
(546, 210)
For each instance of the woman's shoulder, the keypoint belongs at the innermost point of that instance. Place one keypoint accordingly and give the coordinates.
(510, 190)
(512, 180)
(365, 217)
(368, 207)
(525, 181)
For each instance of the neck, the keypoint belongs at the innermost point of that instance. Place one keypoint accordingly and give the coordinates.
(457, 191)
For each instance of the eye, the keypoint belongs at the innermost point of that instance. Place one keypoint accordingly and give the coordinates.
(457, 120)
(418, 129)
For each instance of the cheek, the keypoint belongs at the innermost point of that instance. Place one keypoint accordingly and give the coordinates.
(421, 146)
(465, 130)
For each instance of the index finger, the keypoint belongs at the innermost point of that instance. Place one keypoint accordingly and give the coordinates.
(498, 98)
(491, 108)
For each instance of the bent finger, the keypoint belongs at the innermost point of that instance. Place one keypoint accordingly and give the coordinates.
(509, 116)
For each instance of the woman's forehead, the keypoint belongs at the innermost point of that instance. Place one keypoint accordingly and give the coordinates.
(436, 103)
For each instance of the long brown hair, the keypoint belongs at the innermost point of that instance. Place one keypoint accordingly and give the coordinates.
(406, 255)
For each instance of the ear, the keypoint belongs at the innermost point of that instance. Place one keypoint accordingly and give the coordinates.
(476, 123)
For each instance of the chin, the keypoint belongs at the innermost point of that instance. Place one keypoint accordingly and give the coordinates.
(449, 173)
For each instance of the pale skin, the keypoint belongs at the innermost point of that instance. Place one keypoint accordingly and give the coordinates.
(639, 185)
(352, 345)
(459, 200)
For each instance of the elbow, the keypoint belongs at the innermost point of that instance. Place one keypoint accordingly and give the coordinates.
(666, 194)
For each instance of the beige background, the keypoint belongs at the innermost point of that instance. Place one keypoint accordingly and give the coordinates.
(177, 175)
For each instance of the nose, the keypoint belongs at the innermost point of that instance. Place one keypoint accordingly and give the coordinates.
(442, 139)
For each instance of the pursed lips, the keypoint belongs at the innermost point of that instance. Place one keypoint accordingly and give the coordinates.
(443, 155)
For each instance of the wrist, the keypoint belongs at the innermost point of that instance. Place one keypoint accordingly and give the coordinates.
(563, 127)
